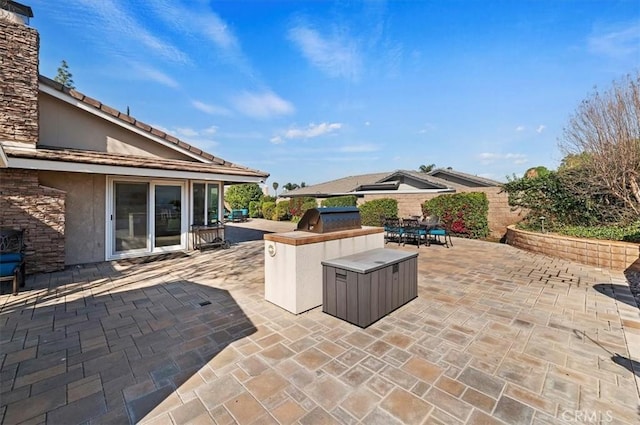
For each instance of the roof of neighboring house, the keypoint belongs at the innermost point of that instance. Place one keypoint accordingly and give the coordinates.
(342, 186)
(208, 163)
(446, 173)
(388, 181)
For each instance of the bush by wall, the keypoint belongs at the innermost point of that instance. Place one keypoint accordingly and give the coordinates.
(462, 214)
(298, 206)
(282, 211)
(268, 210)
(373, 212)
(341, 201)
(255, 209)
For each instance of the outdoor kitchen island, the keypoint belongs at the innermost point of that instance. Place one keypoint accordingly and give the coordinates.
(293, 260)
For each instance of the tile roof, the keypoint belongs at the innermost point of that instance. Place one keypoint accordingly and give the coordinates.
(125, 118)
(350, 184)
(482, 181)
(342, 185)
(120, 160)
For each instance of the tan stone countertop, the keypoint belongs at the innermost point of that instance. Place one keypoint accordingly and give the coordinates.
(301, 237)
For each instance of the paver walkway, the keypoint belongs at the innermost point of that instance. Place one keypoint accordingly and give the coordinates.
(496, 336)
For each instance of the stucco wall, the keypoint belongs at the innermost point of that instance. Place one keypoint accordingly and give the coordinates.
(600, 253)
(66, 126)
(24, 204)
(500, 215)
(85, 222)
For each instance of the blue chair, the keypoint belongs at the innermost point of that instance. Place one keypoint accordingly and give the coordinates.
(392, 230)
(438, 232)
(413, 231)
(12, 264)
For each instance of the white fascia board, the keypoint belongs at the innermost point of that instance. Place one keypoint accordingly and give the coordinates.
(4, 161)
(402, 192)
(97, 112)
(75, 167)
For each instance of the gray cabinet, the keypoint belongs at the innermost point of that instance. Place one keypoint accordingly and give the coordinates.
(364, 287)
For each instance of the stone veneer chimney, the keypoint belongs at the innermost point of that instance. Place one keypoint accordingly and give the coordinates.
(19, 46)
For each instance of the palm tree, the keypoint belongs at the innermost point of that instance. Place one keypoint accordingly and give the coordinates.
(275, 188)
(426, 168)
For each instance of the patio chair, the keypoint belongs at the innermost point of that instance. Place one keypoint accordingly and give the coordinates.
(12, 265)
(392, 230)
(437, 232)
(413, 231)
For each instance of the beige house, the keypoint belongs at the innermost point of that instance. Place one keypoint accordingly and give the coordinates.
(412, 188)
(90, 183)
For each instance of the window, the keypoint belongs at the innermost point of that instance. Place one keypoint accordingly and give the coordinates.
(206, 203)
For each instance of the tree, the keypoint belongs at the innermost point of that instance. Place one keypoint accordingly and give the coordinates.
(64, 77)
(426, 168)
(291, 186)
(604, 133)
(240, 195)
(275, 187)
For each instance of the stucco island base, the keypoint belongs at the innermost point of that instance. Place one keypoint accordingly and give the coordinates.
(293, 263)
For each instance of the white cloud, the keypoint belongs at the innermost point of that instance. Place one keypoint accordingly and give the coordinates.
(262, 105)
(146, 72)
(202, 24)
(618, 42)
(312, 130)
(491, 157)
(367, 123)
(541, 128)
(201, 138)
(210, 109)
(520, 128)
(309, 132)
(337, 55)
(119, 24)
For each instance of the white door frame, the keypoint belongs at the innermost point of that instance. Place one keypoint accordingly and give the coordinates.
(109, 223)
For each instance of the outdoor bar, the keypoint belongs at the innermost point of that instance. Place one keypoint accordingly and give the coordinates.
(293, 260)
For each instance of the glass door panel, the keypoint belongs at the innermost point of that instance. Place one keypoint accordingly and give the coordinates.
(168, 215)
(130, 217)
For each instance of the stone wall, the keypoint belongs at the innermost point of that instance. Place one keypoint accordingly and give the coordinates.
(500, 214)
(600, 253)
(24, 204)
(19, 82)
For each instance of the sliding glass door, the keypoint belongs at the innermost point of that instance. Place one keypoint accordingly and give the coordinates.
(168, 215)
(146, 217)
(131, 208)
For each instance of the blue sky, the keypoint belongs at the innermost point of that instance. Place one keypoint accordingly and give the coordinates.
(317, 90)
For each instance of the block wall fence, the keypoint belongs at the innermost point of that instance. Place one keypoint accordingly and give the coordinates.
(600, 253)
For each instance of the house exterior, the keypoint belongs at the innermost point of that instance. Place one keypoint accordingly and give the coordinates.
(90, 183)
(412, 188)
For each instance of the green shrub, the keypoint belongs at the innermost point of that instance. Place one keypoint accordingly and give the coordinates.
(341, 201)
(255, 209)
(630, 233)
(373, 212)
(268, 210)
(464, 214)
(298, 206)
(281, 211)
(239, 196)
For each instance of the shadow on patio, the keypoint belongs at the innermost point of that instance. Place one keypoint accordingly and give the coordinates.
(116, 347)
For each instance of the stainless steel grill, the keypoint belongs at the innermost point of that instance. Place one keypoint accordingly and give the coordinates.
(325, 220)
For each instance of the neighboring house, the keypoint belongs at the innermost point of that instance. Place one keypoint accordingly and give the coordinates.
(412, 188)
(87, 182)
